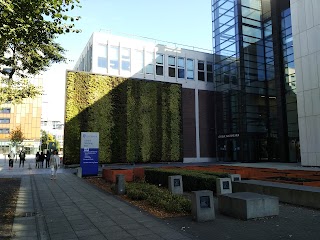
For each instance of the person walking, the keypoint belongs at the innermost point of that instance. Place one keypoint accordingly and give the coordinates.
(41, 159)
(48, 158)
(37, 160)
(22, 156)
(11, 156)
(54, 164)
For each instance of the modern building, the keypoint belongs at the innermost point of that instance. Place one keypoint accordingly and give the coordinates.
(266, 55)
(259, 102)
(151, 60)
(27, 116)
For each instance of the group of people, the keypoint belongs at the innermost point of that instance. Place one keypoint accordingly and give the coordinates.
(40, 157)
(52, 160)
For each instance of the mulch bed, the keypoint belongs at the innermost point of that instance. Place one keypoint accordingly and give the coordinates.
(9, 189)
(157, 212)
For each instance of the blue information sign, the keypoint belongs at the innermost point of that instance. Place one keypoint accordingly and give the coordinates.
(89, 155)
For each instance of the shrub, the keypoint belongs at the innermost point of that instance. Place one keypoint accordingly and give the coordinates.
(158, 197)
(192, 180)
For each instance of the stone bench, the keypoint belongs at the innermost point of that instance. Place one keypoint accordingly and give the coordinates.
(288, 193)
(247, 205)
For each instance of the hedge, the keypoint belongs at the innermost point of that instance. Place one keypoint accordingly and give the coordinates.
(192, 180)
(137, 120)
(158, 197)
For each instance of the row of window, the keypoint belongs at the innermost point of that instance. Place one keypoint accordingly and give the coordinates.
(4, 120)
(4, 130)
(146, 62)
(5, 110)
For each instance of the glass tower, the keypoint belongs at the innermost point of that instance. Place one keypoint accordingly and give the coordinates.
(255, 75)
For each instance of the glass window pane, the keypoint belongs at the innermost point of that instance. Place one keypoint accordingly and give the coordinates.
(125, 62)
(181, 62)
(201, 76)
(159, 70)
(200, 65)
(180, 73)
(171, 60)
(172, 72)
(114, 57)
(149, 69)
(149, 62)
(159, 58)
(102, 62)
(190, 74)
(190, 64)
(138, 61)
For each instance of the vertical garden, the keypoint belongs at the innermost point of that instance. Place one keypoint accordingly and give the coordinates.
(137, 120)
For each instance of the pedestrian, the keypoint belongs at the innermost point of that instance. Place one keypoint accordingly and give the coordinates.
(48, 158)
(22, 156)
(54, 164)
(37, 160)
(11, 156)
(41, 159)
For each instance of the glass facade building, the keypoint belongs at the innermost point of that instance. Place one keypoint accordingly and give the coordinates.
(255, 74)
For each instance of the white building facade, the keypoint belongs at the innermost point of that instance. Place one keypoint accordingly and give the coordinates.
(147, 59)
(306, 41)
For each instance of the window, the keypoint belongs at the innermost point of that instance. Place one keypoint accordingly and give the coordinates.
(114, 57)
(4, 120)
(190, 69)
(125, 59)
(181, 67)
(149, 62)
(159, 64)
(5, 110)
(102, 56)
(172, 66)
(209, 72)
(201, 70)
(138, 61)
(4, 130)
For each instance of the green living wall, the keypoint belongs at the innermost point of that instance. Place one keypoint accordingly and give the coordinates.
(137, 120)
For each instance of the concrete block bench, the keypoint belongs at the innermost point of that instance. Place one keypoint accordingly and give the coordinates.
(288, 193)
(247, 205)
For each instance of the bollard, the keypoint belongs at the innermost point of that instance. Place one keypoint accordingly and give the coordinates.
(120, 184)
(175, 184)
(202, 206)
(79, 172)
(223, 186)
(235, 177)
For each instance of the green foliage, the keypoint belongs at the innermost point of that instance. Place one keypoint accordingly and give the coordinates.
(28, 32)
(192, 180)
(16, 136)
(15, 91)
(158, 197)
(127, 113)
(46, 138)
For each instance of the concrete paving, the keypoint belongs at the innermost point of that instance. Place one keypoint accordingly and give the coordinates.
(70, 208)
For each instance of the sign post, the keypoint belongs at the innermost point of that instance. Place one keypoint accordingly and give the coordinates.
(89, 155)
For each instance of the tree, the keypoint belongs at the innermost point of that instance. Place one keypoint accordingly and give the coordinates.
(16, 136)
(28, 30)
(46, 138)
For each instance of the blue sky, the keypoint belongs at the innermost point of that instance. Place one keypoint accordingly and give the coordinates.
(182, 21)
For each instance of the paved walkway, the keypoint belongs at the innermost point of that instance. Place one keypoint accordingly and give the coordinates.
(70, 208)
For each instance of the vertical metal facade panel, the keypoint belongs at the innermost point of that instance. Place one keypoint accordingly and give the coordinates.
(189, 123)
(207, 124)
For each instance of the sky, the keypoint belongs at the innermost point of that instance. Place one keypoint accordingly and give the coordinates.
(185, 22)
